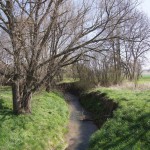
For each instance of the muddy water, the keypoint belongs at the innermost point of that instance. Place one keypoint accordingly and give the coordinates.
(81, 126)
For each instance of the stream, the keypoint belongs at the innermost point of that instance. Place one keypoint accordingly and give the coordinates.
(81, 126)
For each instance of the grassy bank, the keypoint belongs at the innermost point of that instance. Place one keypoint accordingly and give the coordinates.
(129, 129)
(43, 129)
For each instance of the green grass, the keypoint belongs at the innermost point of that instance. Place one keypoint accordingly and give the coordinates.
(129, 129)
(43, 129)
(144, 79)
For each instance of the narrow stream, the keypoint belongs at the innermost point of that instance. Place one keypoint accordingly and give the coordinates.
(81, 126)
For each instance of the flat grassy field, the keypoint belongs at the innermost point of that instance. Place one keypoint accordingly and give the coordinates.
(129, 129)
(144, 79)
(43, 129)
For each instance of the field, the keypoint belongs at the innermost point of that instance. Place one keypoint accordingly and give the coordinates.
(144, 79)
(129, 129)
(43, 129)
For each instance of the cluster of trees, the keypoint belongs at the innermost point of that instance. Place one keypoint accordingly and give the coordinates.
(124, 53)
(38, 38)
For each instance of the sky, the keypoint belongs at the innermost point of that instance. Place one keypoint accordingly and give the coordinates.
(145, 6)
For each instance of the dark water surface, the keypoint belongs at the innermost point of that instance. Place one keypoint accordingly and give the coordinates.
(81, 126)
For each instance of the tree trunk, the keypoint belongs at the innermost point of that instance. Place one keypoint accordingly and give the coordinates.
(16, 97)
(27, 102)
(21, 104)
(48, 85)
(135, 73)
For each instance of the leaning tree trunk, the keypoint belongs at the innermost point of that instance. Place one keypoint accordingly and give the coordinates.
(48, 85)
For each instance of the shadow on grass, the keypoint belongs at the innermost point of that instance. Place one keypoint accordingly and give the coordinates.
(135, 133)
(7, 115)
(4, 111)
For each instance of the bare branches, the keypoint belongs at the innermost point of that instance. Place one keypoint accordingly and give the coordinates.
(46, 35)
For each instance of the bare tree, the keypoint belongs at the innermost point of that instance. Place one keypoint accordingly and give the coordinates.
(44, 36)
(136, 49)
(124, 48)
